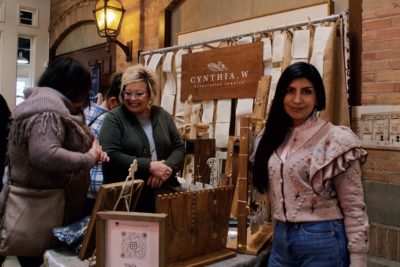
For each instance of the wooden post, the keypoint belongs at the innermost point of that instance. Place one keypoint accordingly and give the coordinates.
(261, 100)
(242, 209)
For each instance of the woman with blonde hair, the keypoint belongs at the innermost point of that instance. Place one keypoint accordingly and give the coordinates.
(145, 132)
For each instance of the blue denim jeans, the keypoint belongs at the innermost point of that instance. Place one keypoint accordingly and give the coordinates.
(311, 244)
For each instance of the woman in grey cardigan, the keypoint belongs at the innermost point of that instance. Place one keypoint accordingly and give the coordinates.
(139, 130)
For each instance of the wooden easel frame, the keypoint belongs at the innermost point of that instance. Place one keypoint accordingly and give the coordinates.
(106, 199)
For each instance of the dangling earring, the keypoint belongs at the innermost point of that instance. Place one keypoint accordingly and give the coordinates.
(315, 112)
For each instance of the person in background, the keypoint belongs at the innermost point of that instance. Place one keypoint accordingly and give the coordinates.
(50, 146)
(94, 118)
(5, 123)
(311, 170)
(145, 132)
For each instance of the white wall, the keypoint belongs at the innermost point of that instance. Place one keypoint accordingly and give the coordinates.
(10, 29)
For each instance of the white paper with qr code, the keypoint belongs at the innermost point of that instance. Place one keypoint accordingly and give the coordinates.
(132, 243)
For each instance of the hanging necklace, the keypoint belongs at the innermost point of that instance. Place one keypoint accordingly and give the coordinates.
(193, 225)
(193, 228)
(172, 221)
(214, 218)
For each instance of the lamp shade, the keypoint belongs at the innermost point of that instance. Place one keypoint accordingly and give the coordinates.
(21, 59)
(108, 14)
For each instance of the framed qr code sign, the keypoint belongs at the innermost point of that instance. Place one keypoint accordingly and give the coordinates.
(130, 239)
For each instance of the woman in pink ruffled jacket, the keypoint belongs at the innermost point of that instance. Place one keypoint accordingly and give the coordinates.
(311, 170)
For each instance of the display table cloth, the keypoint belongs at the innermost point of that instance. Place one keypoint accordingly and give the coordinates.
(66, 258)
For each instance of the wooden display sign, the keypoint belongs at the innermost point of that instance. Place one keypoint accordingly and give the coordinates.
(223, 73)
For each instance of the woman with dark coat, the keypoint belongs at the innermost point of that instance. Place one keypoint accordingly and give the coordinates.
(5, 120)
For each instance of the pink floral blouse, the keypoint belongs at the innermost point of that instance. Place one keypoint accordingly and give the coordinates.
(316, 175)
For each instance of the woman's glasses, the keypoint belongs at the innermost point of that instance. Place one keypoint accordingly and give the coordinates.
(137, 94)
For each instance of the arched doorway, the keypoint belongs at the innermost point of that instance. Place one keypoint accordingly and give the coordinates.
(81, 42)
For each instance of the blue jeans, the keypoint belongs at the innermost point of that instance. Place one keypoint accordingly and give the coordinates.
(311, 244)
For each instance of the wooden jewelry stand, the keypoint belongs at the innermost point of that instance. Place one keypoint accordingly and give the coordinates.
(197, 226)
(202, 149)
(246, 242)
(261, 99)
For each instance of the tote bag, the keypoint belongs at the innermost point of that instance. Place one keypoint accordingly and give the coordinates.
(29, 217)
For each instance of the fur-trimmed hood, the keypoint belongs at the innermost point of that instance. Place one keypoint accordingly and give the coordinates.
(45, 99)
(51, 107)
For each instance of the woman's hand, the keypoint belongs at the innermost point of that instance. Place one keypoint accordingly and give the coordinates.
(104, 156)
(97, 152)
(160, 169)
(155, 182)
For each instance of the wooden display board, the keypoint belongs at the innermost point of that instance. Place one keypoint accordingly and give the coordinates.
(197, 225)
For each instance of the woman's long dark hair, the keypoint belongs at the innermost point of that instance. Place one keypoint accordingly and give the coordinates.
(279, 122)
(69, 77)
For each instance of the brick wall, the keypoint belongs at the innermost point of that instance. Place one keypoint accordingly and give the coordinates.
(152, 11)
(59, 7)
(381, 175)
(381, 55)
(66, 14)
(381, 85)
(384, 242)
(142, 29)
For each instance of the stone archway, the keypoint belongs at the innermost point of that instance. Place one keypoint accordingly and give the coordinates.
(68, 26)
(73, 17)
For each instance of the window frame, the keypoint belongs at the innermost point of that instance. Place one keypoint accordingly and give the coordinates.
(29, 68)
(35, 15)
